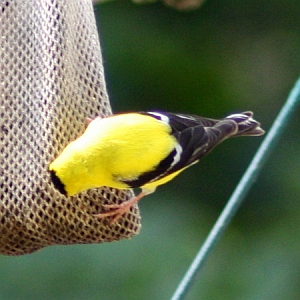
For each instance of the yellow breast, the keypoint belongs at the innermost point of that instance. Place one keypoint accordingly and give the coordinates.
(113, 149)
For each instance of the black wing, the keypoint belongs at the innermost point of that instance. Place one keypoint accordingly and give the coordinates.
(196, 137)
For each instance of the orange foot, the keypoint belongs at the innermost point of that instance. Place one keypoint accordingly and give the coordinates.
(117, 210)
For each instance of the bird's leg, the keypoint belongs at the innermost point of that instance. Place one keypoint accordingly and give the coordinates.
(117, 210)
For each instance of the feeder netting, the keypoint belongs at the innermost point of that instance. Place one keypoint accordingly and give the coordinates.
(51, 80)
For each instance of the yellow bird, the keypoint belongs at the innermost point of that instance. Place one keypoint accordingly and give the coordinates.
(141, 150)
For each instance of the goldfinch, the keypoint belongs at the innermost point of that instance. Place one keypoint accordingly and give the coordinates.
(141, 150)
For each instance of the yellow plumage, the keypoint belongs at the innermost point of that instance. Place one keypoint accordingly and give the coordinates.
(112, 149)
(141, 150)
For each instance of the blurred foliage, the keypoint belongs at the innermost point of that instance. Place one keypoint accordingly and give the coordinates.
(228, 56)
(183, 5)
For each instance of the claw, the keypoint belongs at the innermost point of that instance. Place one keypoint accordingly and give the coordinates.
(117, 210)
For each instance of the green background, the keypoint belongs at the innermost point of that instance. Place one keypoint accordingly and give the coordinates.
(228, 56)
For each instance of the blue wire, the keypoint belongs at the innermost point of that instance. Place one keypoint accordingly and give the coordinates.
(240, 192)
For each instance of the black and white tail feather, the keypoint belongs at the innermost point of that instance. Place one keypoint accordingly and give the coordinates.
(196, 136)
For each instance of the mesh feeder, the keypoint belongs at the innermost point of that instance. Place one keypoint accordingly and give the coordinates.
(51, 80)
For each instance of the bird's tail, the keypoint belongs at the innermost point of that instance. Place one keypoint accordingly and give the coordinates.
(246, 124)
